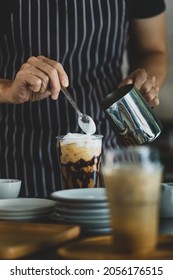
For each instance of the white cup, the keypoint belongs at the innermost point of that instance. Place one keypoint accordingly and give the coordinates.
(9, 188)
(166, 200)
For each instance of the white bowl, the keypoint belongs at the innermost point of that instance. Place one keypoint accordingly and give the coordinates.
(166, 200)
(9, 188)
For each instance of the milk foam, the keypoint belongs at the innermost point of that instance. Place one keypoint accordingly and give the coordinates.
(81, 139)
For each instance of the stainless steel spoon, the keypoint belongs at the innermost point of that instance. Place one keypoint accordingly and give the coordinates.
(85, 122)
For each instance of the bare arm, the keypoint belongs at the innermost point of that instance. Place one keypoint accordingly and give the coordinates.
(4, 87)
(148, 56)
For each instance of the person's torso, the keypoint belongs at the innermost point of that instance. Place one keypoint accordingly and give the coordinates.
(88, 37)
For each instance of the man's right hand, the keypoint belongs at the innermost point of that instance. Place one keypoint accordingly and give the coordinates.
(37, 79)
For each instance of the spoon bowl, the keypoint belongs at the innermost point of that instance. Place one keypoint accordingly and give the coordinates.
(85, 122)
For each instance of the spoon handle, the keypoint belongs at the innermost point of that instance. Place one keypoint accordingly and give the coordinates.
(71, 100)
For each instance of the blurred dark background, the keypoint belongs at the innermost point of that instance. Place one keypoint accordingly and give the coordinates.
(165, 145)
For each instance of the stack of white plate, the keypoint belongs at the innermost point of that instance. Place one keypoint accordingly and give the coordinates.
(85, 207)
(26, 208)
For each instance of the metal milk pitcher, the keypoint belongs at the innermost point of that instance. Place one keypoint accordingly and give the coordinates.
(132, 119)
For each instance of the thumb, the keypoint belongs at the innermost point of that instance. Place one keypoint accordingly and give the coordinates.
(125, 82)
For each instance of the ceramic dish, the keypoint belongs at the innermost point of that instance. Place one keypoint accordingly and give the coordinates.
(166, 200)
(81, 195)
(25, 205)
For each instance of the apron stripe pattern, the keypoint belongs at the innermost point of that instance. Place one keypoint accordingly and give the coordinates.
(88, 37)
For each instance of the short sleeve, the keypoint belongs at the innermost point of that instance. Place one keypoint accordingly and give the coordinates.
(7, 7)
(147, 8)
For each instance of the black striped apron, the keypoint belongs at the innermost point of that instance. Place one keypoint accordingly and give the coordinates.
(88, 37)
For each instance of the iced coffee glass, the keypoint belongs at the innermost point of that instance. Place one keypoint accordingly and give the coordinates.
(133, 180)
(79, 157)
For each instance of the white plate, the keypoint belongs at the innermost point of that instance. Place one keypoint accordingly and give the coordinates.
(81, 195)
(24, 214)
(76, 205)
(27, 205)
(82, 211)
(79, 216)
(23, 217)
(88, 229)
(84, 223)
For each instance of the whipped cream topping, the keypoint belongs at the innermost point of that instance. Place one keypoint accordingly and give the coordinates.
(75, 136)
(82, 139)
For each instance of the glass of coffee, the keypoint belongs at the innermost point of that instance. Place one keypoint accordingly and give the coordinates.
(132, 179)
(79, 157)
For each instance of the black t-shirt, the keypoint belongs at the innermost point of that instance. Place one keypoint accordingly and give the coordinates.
(145, 8)
(137, 8)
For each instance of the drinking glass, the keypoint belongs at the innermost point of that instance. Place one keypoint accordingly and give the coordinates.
(80, 157)
(132, 179)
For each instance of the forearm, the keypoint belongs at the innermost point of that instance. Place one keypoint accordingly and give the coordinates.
(147, 47)
(4, 91)
(155, 64)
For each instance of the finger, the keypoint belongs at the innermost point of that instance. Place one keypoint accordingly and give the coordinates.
(44, 80)
(62, 77)
(155, 102)
(25, 79)
(152, 97)
(148, 85)
(125, 82)
(35, 96)
(139, 78)
(64, 81)
(50, 71)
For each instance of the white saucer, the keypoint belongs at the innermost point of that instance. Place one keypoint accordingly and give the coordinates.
(82, 211)
(81, 195)
(26, 205)
(80, 216)
(77, 205)
(83, 223)
(23, 217)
